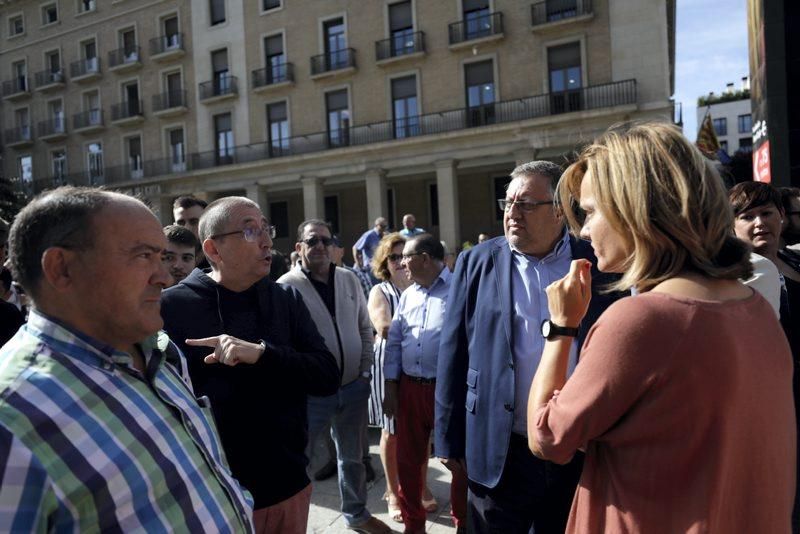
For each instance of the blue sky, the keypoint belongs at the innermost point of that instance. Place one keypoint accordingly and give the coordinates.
(711, 50)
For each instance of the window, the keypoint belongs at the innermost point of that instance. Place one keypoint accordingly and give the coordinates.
(177, 151)
(56, 113)
(405, 113)
(171, 33)
(223, 138)
(266, 5)
(16, 25)
(500, 188)
(94, 163)
(401, 27)
(332, 212)
(127, 42)
(219, 66)
(564, 68)
(85, 6)
(49, 14)
(130, 99)
(91, 105)
(479, 81)
(278, 125)
(338, 118)
(174, 87)
(335, 44)
(89, 51)
(723, 145)
(279, 217)
(217, 11)
(58, 165)
(746, 144)
(275, 59)
(53, 61)
(433, 203)
(561, 9)
(134, 149)
(20, 73)
(477, 22)
(721, 126)
(745, 123)
(23, 123)
(25, 169)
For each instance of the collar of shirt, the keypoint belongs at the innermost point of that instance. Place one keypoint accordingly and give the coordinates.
(81, 346)
(331, 271)
(561, 249)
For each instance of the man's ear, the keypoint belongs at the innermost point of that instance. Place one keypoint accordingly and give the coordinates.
(58, 267)
(211, 251)
(297, 248)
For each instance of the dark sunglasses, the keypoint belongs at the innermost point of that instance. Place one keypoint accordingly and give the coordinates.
(395, 257)
(312, 241)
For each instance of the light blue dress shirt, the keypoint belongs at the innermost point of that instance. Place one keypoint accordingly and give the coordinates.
(413, 344)
(529, 279)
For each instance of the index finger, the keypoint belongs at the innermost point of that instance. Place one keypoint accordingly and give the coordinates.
(204, 341)
(578, 266)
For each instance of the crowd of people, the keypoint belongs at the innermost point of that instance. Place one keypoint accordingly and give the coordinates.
(622, 359)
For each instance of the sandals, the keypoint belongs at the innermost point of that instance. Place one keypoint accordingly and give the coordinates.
(394, 508)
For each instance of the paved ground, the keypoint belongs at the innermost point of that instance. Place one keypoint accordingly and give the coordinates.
(325, 517)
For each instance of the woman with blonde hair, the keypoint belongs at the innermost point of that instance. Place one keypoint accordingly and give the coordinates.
(383, 298)
(682, 398)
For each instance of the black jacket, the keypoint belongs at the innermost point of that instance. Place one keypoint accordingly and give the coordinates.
(260, 409)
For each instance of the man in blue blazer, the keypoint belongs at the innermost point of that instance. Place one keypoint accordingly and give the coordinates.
(491, 344)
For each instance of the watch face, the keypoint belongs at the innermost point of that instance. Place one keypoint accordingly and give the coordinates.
(546, 328)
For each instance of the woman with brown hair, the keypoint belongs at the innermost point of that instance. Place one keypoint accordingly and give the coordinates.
(383, 299)
(682, 398)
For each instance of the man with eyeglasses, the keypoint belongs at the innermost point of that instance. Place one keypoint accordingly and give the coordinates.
(252, 348)
(410, 361)
(339, 311)
(492, 340)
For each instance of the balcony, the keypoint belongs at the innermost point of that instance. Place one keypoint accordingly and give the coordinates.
(399, 47)
(169, 104)
(16, 88)
(88, 121)
(167, 47)
(85, 70)
(468, 32)
(48, 80)
(551, 13)
(221, 88)
(53, 130)
(125, 59)
(127, 113)
(18, 137)
(605, 96)
(338, 62)
(272, 77)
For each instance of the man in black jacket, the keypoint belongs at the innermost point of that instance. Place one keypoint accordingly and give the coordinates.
(253, 349)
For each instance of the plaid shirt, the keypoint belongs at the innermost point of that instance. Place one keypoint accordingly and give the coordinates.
(89, 443)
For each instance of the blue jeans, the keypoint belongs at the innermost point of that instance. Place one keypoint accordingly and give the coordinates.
(346, 413)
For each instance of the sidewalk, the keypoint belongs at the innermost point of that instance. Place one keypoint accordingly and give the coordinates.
(325, 517)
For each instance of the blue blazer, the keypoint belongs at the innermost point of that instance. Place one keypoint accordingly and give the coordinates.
(475, 370)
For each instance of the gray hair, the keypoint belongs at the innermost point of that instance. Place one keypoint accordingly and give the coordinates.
(62, 217)
(547, 169)
(217, 215)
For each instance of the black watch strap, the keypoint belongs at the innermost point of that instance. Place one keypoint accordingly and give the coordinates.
(550, 330)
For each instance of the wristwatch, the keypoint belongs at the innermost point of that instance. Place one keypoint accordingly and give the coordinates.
(550, 330)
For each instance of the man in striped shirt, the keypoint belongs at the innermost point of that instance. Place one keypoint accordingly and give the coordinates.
(97, 431)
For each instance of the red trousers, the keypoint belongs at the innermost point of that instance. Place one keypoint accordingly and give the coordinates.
(414, 426)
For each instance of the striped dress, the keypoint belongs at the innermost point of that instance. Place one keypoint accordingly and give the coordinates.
(376, 417)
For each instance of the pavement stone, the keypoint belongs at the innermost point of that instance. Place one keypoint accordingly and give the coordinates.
(326, 518)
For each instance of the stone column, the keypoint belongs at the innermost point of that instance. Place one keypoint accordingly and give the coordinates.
(162, 206)
(524, 155)
(258, 194)
(313, 197)
(377, 204)
(447, 188)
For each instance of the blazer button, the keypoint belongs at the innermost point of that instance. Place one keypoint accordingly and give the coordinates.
(508, 407)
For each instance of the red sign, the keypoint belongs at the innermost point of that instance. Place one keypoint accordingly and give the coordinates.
(761, 163)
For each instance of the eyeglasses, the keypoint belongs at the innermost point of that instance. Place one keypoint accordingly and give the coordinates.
(411, 255)
(394, 257)
(506, 205)
(312, 241)
(250, 234)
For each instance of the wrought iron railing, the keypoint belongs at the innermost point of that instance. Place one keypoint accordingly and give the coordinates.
(124, 56)
(334, 60)
(400, 44)
(555, 10)
(166, 43)
(84, 67)
(282, 72)
(49, 77)
(221, 86)
(86, 119)
(52, 127)
(169, 100)
(476, 28)
(126, 110)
